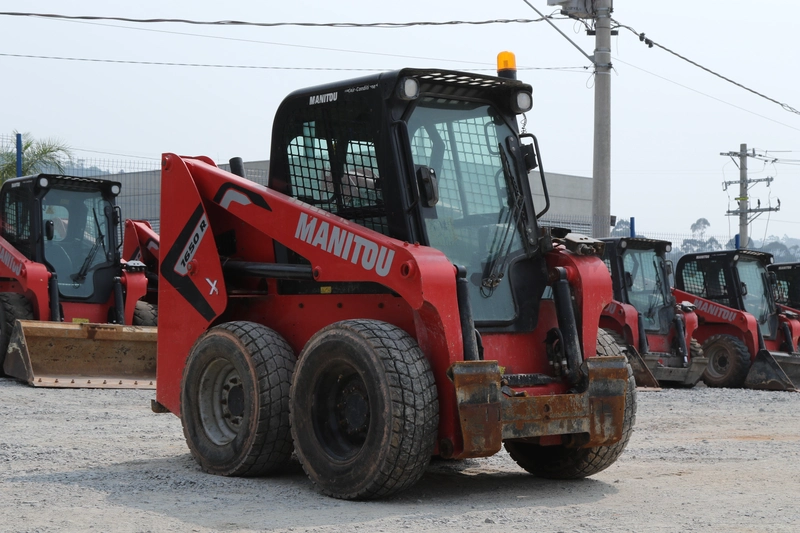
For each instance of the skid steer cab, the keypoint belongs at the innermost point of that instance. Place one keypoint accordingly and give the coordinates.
(747, 341)
(657, 329)
(70, 309)
(787, 287)
(381, 301)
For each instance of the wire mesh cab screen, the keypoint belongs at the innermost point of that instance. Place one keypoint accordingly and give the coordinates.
(788, 287)
(333, 165)
(706, 279)
(16, 217)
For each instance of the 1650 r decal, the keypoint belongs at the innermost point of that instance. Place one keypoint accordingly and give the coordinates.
(191, 247)
(174, 268)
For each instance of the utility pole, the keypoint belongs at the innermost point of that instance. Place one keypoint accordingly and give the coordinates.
(601, 168)
(744, 240)
(19, 155)
(744, 201)
(600, 11)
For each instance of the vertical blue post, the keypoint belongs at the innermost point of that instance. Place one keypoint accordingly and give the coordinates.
(19, 154)
(736, 240)
(633, 226)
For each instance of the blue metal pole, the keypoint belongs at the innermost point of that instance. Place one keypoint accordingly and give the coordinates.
(736, 240)
(633, 226)
(19, 154)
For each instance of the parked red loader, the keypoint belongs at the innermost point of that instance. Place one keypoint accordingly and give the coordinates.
(70, 309)
(787, 288)
(141, 244)
(381, 301)
(747, 341)
(658, 330)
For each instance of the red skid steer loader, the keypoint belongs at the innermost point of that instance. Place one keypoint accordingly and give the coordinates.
(70, 309)
(141, 244)
(381, 301)
(747, 341)
(787, 286)
(658, 330)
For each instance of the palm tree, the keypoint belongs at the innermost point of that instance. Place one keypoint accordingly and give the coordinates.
(38, 155)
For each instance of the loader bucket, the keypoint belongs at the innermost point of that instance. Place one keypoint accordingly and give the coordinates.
(643, 376)
(105, 356)
(773, 371)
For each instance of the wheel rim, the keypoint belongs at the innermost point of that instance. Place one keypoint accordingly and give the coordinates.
(341, 416)
(221, 401)
(718, 362)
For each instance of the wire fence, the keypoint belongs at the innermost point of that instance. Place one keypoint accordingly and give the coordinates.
(140, 199)
(140, 196)
(682, 243)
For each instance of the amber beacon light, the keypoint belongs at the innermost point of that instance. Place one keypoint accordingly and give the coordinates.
(507, 65)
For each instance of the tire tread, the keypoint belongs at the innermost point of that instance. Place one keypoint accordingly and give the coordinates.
(274, 361)
(14, 306)
(414, 406)
(740, 363)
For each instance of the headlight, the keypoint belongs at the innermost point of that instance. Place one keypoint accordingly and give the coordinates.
(668, 248)
(44, 183)
(115, 190)
(523, 102)
(408, 89)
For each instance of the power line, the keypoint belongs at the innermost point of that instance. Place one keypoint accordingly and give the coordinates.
(115, 153)
(707, 95)
(309, 47)
(650, 43)
(382, 25)
(255, 67)
(254, 41)
(171, 64)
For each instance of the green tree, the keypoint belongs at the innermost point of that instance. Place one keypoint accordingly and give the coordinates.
(699, 228)
(779, 251)
(38, 155)
(622, 229)
(698, 242)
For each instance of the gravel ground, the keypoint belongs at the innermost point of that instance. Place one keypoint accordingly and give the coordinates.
(699, 460)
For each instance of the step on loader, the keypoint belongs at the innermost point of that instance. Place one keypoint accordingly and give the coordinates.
(380, 302)
(657, 329)
(71, 310)
(747, 341)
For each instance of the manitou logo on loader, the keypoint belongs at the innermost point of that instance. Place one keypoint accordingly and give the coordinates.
(715, 310)
(323, 98)
(341, 243)
(10, 261)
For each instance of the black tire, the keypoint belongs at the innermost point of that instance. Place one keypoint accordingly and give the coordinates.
(695, 350)
(235, 400)
(728, 361)
(13, 307)
(618, 339)
(365, 411)
(564, 462)
(145, 314)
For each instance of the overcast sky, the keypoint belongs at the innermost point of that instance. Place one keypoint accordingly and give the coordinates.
(670, 120)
